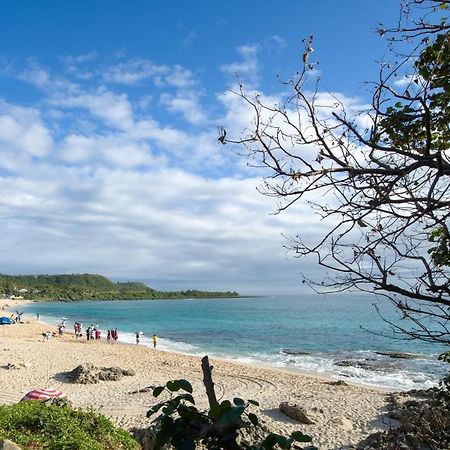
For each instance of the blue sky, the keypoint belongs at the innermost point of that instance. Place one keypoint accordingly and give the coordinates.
(109, 161)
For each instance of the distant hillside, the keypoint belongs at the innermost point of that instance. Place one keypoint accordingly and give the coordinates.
(89, 287)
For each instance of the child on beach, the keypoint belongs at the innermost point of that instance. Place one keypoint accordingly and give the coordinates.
(138, 335)
(155, 340)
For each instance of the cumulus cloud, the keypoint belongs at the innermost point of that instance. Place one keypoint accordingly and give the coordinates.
(180, 77)
(116, 186)
(187, 104)
(116, 151)
(23, 131)
(114, 109)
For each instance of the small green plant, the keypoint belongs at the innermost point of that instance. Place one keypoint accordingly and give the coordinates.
(444, 384)
(183, 426)
(36, 425)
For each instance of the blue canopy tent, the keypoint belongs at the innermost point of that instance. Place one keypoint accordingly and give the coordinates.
(6, 321)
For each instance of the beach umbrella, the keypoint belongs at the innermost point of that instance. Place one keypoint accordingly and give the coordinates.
(43, 394)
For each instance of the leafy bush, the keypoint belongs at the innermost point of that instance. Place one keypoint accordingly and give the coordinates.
(36, 425)
(444, 385)
(183, 426)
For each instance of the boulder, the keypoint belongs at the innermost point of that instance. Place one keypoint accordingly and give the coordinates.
(145, 437)
(90, 374)
(399, 355)
(143, 390)
(373, 365)
(295, 412)
(337, 383)
(423, 425)
(289, 351)
(6, 444)
(248, 436)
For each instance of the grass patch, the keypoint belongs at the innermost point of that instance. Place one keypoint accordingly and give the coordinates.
(35, 425)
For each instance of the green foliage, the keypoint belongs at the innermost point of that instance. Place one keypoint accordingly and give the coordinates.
(444, 384)
(417, 126)
(89, 287)
(36, 425)
(440, 254)
(182, 425)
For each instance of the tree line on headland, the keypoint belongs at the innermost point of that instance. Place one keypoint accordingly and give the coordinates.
(90, 287)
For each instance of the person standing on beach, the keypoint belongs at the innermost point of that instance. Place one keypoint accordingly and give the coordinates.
(138, 335)
(114, 335)
(38, 317)
(108, 337)
(155, 340)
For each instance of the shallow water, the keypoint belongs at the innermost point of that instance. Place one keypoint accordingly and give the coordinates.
(319, 334)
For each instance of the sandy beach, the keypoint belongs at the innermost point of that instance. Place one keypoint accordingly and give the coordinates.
(343, 414)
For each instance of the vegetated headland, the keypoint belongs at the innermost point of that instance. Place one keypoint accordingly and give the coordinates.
(90, 287)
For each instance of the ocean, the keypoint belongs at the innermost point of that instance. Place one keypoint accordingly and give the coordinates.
(333, 335)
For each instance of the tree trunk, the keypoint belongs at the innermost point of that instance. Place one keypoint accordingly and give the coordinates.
(208, 382)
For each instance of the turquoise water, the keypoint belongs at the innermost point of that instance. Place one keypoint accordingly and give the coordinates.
(318, 334)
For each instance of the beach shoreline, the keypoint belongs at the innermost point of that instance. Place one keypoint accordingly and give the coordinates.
(325, 376)
(343, 413)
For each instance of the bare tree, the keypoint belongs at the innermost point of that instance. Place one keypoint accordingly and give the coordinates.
(380, 177)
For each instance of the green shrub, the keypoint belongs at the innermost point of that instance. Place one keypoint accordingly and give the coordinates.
(36, 425)
(183, 426)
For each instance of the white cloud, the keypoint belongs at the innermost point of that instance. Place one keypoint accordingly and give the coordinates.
(22, 130)
(116, 151)
(180, 77)
(40, 77)
(160, 226)
(114, 109)
(277, 41)
(81, 58)
(115, 188)
(133, 71)
(186, 103)
(248, 68)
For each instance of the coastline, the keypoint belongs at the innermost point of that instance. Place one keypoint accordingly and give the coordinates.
(344, 414)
